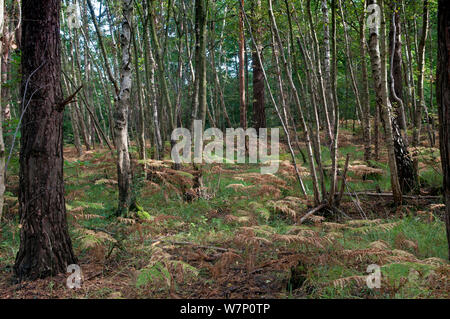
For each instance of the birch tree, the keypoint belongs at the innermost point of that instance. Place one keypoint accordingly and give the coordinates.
(121, 112)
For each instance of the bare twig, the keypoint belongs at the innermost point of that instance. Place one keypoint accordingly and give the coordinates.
(69, 100)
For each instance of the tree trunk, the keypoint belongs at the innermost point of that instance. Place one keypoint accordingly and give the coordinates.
(242, 100)
(443, 100)
(326, 62)
(379, 76)
(2, 143)
(45, 245)
(395, 45)
(165, 94)
(121, 113)
(322, 90)
(141, 112)
(404, 162)
(297, 102)
(200, 57)
(420, 78)
(365, 100)
(259, 110)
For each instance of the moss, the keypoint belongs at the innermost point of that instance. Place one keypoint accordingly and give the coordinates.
(143, 215)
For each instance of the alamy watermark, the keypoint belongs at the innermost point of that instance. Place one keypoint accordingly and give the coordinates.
(75, 278)
(234, 141)
(73, 17)
(374, 279)
(374, 17)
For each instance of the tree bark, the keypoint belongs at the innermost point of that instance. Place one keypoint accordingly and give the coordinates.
(259, 110)
(200, 58)
(121, 113)
(395, 45)
(242, 93)
(45, 245)
(379, 76)
(365, 100)
(420, 80)
(2, 143)
(443, 100)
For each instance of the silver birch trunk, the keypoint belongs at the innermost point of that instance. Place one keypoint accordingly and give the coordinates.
(121, 112)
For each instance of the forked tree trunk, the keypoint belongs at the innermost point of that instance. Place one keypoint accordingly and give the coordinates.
(404, 162)
(379, 76)
(443, 100)
(121, 113)
(45, 245)
(395, 45)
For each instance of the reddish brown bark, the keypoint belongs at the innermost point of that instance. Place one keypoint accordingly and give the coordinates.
(45, 245)
(443, 99)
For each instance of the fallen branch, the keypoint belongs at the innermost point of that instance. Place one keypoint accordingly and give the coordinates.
(390, 195)
(191, 244)
(312, 211)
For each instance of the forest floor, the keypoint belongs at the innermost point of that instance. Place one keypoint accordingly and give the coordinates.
(243, 239)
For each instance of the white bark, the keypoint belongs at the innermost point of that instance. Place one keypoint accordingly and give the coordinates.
(121, 112)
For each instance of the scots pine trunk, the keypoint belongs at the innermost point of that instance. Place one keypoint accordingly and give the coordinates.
(2, 143)
(45, 245)
(443, 100)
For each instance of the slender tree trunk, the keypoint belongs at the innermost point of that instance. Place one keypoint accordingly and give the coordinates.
(259, 110)
(420, 82)
(443, 100)
(168, 106)
(335, 111)
(141, 113)
(395, 45)
(365, 100)
(121, 113)
(45, 245)
(320, 78)
(242, 99)
(379, 76)
(297, 102)
(149, 64)
(404, 161)
(200, 92)
(327, 61)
